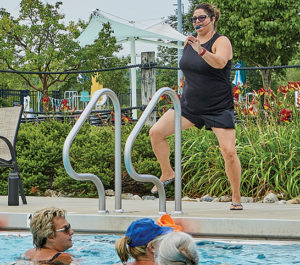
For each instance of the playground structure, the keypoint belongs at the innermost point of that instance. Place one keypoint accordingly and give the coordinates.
(73, 100)
(127, 152)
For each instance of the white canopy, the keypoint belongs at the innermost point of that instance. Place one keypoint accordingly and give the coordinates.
(123, 31)
(128, 32)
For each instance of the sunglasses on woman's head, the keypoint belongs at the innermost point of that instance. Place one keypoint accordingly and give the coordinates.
(200, 18)
(66, 229)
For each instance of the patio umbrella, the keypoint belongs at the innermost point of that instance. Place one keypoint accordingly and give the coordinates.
(238, 77)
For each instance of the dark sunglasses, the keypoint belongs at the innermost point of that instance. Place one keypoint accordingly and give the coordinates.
(200, 18)
(66, 229)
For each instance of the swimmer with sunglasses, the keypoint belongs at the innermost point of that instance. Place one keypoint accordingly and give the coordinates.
(52, 236)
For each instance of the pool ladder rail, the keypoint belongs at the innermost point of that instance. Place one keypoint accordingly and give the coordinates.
(127, 152)
(87, 176)
(150, 178)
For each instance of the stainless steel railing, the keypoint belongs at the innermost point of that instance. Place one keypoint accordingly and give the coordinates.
(92, 177)
(151, 178)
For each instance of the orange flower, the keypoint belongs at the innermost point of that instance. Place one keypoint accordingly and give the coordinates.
(251, 109)
(181, 82)
(267, 105)
(126, 119)
(163, 97)
(262, 91)
(236, 93)
(34, 189)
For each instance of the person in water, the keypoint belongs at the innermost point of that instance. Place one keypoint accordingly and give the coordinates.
(52, 236)
(141, 242)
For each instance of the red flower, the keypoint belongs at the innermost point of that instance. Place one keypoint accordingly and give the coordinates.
(163, 97)
(236, 93)
(45, 99)
(285, 115)
(270, 91)
(294, 85)
(65, 105)
(283, 90)
(113, 114)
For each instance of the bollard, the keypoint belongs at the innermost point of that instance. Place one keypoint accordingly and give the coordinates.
(13, 189)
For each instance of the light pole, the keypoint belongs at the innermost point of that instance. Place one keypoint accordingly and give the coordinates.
(179, 29)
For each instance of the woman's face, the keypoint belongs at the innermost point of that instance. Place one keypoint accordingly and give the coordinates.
(201, 20)
(63, 239)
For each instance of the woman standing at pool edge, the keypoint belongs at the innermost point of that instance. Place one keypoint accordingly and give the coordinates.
(206, 100)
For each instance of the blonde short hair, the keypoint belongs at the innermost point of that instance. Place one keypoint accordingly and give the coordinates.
(41, 225)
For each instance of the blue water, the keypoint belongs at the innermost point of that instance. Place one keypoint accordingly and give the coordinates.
(99, 249)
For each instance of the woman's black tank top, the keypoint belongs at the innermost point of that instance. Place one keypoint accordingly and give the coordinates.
(206, 89)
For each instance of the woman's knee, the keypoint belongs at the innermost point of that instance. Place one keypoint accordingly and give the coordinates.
(155, 133)
(229, 153)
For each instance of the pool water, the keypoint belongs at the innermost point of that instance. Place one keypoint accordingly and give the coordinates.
(99, 249)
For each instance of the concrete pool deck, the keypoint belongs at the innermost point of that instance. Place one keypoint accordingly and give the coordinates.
(208, 219)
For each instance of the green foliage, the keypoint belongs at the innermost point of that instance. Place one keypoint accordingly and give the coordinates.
(166, 57)
(4, 103)
(39, 154)
(38, 41)
(268, 149)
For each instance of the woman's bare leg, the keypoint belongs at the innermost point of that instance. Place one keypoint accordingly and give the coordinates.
(226, 138)
(163, 128)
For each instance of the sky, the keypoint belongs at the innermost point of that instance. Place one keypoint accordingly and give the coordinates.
(143, 12)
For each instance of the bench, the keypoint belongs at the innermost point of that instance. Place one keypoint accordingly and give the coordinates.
(9, 126)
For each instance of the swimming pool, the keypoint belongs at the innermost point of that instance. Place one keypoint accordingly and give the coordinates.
(99, 249)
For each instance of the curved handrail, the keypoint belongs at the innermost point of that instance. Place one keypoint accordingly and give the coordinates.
(92, 177)
(150, 178)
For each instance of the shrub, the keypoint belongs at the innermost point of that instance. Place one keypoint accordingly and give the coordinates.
(268, 146)
(39, 154)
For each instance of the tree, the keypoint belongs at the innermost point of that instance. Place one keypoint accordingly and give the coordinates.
(38, 41)
(166, 57)
(262, 32)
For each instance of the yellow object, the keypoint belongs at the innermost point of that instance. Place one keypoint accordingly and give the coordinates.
(96, 86)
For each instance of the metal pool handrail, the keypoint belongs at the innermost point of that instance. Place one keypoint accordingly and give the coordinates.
(92, 177)
(150, 178)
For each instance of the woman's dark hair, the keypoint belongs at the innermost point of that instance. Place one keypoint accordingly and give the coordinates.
(211, 10)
